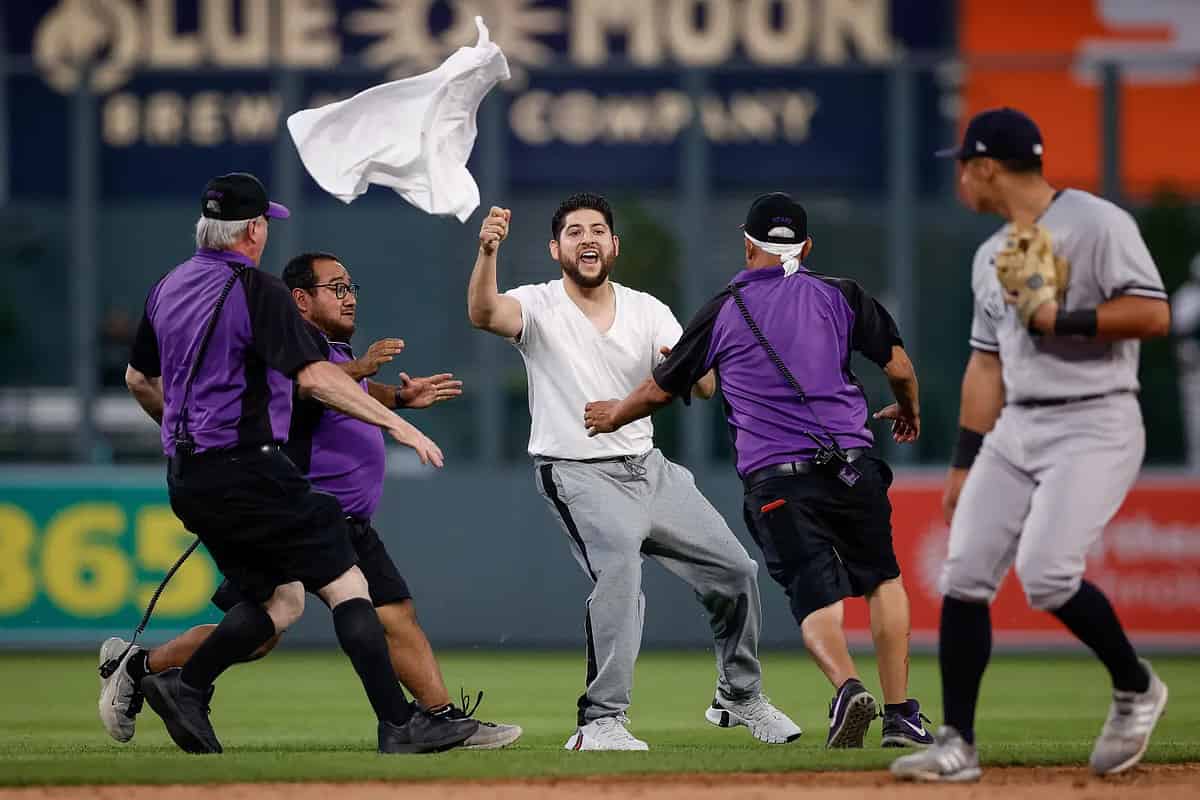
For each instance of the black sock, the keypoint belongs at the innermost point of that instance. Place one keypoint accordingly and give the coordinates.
(964, 647)
(243, 630)
(138, 665)
(361, 636)
(1090, 616)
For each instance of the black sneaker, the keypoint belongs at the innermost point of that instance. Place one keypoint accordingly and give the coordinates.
(425, 733)
(183, 709)
(850, 715)
(907, 727)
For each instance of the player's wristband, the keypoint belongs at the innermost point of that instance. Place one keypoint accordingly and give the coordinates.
(966, 448)
(1080, 322)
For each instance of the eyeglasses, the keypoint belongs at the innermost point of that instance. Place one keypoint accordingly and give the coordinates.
(339, 289)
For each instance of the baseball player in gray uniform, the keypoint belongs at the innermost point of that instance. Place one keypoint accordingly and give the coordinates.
(1051, 435)
(616, 497)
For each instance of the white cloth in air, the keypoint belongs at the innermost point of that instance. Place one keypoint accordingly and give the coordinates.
(413, 135)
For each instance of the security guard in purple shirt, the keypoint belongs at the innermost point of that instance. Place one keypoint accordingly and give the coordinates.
(346, 458)
(214, 360)
(779, 338)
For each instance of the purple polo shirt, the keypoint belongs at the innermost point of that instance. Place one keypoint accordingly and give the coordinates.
(814, 322)
(242, 393)
(342, 456)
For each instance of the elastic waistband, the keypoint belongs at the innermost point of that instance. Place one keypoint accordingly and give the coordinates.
(794, 468)
(1042, 402)
(604, 460)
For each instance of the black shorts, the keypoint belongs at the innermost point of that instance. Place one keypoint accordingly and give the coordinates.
(261, 520)
(822, 540)
(384, 580)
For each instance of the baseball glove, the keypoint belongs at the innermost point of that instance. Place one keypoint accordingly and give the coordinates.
(1029, 272)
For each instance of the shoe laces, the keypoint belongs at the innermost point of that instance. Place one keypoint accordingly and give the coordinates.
(1128, 715)
(760, 709)
(465, 709)
(615, 727)
(135, 703)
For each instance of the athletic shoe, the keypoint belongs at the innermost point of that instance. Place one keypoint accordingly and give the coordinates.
(949, 759)
(492, 736)
(424, 733)
(184, 710)
(766, 722)
(120, 697)
(606, 733)
(1126, 732)
(906, 728)
(489, 736)
(850, 713)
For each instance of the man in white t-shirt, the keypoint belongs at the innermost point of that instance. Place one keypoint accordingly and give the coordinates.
(616, 496)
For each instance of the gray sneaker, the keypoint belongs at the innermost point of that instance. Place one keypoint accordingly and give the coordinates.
(1126, 733)
(949, 759)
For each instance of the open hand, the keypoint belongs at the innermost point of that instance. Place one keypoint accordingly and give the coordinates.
(905, 427)
(424, 392)
(378, 354)
(427, 449)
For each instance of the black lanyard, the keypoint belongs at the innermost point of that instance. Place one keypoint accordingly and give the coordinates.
(184, 443)
(826, 453)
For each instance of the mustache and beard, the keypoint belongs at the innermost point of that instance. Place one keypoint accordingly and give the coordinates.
(571, 267)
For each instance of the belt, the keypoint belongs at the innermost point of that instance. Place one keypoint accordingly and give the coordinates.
(1035, 402)
(794, 468)
(229, 453)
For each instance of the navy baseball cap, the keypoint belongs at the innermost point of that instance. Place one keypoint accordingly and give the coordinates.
(1002, 133)
(777, 218)
(238, 196)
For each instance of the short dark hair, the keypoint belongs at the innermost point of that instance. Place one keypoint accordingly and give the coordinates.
(576, 202)
(1022, 166)
(298, 274)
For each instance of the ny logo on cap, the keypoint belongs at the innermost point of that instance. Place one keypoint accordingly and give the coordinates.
(213, 206)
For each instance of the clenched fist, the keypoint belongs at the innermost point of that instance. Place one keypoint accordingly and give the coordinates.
(494, 229)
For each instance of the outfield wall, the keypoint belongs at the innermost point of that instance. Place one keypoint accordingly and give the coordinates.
(82, 549)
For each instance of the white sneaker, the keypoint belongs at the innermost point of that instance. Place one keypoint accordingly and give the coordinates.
(120, 698)
(1126, 733)
(606, 733)
(766, 722)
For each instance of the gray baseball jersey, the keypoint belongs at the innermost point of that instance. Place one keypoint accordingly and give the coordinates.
(1108, 258)
(1049, 478)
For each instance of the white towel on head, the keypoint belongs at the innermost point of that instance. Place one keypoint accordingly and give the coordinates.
(414, 135)
(789, 253)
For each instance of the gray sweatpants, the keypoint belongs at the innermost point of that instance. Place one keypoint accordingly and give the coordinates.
(614, 513)
(1039, 494)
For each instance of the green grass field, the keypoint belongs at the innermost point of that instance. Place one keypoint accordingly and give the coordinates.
(301, 716)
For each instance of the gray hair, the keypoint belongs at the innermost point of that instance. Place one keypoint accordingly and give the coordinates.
(220, 234)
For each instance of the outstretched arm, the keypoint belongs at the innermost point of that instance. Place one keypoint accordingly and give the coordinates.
(606, 416)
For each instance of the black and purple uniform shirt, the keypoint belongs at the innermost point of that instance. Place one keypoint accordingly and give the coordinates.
(814, 323)
(242, 393)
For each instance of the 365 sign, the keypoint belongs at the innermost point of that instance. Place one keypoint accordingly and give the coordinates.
(75, 558)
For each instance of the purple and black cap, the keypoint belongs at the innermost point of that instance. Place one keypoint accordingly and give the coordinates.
(1001, 133)
(238, 196)
(778, 219)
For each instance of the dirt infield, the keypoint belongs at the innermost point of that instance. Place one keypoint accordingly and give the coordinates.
(1166, 781)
